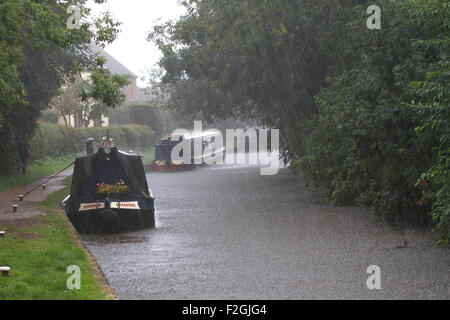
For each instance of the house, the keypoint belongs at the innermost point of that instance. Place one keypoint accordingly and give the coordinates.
(115, 67)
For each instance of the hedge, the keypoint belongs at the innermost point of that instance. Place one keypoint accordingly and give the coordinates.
(52, 140)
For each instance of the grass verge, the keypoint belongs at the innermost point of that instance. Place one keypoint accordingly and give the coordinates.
(148, 156)
(40, 249)
(38, 169)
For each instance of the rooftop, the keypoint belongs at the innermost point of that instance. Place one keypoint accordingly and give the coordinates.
(112, 64)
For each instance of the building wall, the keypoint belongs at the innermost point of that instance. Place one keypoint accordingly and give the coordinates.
(131, 90)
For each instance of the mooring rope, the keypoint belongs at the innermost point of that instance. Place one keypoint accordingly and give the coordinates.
(52, 177)
(48, 179)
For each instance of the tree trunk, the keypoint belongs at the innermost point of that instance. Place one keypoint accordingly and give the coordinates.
(65, 119)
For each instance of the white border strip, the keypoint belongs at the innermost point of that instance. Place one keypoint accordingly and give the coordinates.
(131, 205)
(91, 206)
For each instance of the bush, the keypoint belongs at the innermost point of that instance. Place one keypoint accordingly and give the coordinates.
(53, 141)
(49, 116)
(146, 113)
(382, 134)
(366, 155)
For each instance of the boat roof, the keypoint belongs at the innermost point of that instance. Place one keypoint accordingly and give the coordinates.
(128, 153)
(193, 135)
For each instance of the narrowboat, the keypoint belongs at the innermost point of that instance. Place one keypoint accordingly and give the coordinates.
(202, 146)
(109, 192)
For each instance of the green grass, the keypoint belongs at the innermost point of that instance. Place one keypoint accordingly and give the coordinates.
(39, 253)
(148, 155)
(38, 169)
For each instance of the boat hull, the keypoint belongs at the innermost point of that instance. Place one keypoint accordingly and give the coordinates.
(109, 221)
(164, 168)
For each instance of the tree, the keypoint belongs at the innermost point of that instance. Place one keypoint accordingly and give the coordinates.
(149, 113)
(69, 102)
(39, 53)
(430, 99)
(362, 113)
(381, 137)
(247, 59)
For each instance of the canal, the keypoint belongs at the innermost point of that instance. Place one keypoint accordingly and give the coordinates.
(226, 232)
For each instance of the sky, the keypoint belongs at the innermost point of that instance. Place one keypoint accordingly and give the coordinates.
(138, 18)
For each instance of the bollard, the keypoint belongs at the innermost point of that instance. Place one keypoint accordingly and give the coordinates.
(2, 234)
(15, 206)
(44, 187)
(5, 271)
(90, 146)
(21, 197)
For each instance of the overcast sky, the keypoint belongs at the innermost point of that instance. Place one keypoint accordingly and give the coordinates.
(138, 17)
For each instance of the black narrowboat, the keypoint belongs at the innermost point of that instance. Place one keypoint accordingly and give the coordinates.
(109, 193)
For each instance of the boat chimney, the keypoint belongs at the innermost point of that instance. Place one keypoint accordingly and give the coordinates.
(90, 145)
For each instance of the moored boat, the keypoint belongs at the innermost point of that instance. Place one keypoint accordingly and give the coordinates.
(109, 193)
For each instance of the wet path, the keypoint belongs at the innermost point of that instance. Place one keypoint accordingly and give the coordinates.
(229, 233)
(25, 209)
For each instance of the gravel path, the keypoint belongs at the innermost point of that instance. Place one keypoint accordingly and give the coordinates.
(25, 210)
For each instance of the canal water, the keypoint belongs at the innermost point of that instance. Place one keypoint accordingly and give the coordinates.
(226, 232)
